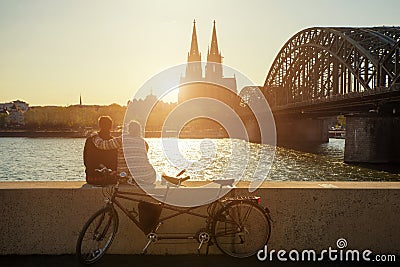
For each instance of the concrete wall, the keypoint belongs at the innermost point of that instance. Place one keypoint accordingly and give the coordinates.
(45, 218)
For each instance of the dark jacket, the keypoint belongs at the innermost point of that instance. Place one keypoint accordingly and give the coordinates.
(93, 157)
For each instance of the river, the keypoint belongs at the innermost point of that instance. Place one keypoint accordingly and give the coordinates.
(60, 159)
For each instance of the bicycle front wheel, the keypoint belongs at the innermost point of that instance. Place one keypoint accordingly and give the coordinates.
(241, 229)
(97, 235)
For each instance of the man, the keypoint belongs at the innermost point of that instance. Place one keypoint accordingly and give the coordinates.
(95, 158)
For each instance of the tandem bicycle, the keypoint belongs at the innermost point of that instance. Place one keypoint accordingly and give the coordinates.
(239, 226)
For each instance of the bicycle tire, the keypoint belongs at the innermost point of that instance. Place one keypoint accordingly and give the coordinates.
(241, 228)
(101, 227)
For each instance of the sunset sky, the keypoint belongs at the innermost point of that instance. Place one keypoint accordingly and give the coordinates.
(53, 51)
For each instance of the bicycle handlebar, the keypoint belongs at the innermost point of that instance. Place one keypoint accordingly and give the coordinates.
(181, 172)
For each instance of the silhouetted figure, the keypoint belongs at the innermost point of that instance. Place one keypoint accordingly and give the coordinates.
(133, 154)
(95, 158)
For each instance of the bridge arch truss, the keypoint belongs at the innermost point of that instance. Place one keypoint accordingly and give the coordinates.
(321, 63)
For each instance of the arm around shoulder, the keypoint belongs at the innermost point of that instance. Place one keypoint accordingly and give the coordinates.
(113, 143)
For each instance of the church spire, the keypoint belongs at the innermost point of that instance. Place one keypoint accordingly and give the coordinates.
(194, 54)
(193, 68)
(214, 54)
(214, 58)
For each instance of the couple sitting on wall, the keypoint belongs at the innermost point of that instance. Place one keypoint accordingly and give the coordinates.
(103, 151)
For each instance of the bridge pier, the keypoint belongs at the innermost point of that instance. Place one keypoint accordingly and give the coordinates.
(294, 131)
(372, 139)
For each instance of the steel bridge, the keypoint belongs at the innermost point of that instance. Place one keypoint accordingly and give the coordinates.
(333, 70)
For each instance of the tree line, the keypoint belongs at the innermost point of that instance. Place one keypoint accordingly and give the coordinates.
(78, 117)
(71, 117)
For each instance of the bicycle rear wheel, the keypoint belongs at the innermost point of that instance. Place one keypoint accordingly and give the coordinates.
(241, 229)
(97, 235)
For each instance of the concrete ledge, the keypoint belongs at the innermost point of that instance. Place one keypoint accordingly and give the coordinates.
(46, 217)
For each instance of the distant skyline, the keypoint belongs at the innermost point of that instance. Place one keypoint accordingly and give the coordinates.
(54, 51)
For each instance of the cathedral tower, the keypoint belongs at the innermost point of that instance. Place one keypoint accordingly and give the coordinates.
(214, 58)
(193, 68)
(213, 84)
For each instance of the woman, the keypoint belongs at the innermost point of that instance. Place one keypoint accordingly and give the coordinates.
(132, 154)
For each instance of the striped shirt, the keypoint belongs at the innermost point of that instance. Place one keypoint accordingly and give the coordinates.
(132, 157)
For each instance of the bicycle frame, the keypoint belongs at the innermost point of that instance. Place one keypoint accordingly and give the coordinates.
(225, 224)
(130, 196)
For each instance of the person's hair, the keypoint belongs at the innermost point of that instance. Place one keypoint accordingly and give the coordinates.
(105, 123)
(135, 129)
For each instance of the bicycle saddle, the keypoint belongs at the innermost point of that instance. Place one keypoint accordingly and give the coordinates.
(224, 182)
(174, 180)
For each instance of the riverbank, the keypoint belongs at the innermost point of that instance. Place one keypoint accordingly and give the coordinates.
(84, 134)
(148, 134)
(55, 133)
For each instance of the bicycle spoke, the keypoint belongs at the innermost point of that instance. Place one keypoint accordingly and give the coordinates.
(97, 235)
(243, 230)
(227, 233)
(247, 214)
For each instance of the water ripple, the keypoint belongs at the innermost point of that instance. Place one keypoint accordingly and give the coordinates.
(60, 159)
